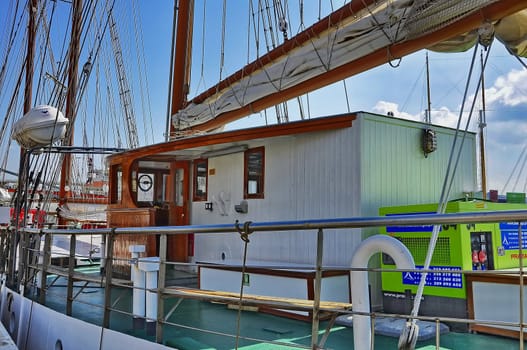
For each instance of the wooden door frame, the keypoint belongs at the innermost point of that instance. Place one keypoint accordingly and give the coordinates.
(178, 246)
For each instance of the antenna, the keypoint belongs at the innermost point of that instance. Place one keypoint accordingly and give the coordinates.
(428, 112)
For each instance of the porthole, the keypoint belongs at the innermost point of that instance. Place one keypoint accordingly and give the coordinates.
(12, 324)
(9, 301)
(58, 344)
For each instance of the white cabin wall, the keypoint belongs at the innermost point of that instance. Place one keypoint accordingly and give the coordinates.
(308, 176)
(326, 176)
(349, 172)
(396, 172)
(225, 189)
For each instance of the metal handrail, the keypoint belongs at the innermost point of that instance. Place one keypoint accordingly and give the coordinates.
(516, 216)
(311, 224)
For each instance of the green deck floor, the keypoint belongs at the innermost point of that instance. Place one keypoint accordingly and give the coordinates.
(218, 319)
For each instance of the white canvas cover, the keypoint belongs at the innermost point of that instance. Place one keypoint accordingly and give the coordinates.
(379, 26)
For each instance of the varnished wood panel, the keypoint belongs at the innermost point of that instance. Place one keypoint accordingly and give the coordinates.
(136, 217)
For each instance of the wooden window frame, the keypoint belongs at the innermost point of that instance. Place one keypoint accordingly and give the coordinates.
(195, 196)
(116, 176)
(260, 193)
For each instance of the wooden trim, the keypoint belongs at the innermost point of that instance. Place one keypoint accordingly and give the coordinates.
(470, 301)
(301, 274)
(512, 279)
(310, 287)
(178, 245)
(292, 128)
(495, 278)
(261, 177)
(254, 300)
(494, 330)
(268, 304)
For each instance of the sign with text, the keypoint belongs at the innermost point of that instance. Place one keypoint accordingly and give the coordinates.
(436, 279)
(509, 235)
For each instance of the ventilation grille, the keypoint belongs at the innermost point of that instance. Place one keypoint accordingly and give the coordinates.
(418, 246)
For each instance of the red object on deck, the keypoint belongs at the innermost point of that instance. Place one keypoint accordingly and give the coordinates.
(35, 217)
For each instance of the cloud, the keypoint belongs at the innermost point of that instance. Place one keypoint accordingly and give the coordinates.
(385, 107)
(442, 116)
(506, 117)
(508, 90)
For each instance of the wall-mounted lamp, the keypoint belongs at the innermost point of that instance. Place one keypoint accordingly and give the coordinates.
(208, 206)
(224, 151)
(429, 141)
(243, 207)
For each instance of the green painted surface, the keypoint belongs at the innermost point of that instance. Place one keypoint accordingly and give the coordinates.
(453, 249)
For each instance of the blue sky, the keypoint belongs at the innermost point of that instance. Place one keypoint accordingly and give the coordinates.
(401, 90)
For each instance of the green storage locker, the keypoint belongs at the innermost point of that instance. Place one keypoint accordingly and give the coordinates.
(488, 246)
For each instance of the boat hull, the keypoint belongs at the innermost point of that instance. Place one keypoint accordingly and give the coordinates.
(37, 327)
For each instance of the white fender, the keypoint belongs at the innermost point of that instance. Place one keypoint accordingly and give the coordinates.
(360, 298)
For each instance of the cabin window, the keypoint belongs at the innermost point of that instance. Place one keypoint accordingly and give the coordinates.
(165, 190)
(145, 185)
(200, 179)
(117, 180)
(179, 194)
(254, 173)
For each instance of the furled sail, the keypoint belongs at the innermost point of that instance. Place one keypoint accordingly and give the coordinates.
(361, 39)
(510, 30)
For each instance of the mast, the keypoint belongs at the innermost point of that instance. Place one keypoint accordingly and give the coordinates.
(182, 58)
(70, 99)
(482, 124)
(21, 187)
(30, 56)
(168, 126)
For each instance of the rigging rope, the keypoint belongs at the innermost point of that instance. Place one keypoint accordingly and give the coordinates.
(12, 35)
(522, 153)
(223, 29)
(202, 56)
(281, 17)
(410, 332)
(518, 177)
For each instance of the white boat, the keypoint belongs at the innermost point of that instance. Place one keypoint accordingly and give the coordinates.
(42, 125)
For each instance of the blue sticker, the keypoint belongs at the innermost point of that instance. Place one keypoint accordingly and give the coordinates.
(410, 228)
(509, 235)
(436, 279)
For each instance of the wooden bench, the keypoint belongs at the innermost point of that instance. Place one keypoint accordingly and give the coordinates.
(326, 308)
(255, 300)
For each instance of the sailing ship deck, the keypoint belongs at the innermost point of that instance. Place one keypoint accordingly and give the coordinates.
(221, 322)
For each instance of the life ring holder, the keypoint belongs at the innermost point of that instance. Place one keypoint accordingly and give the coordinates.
(145, 182)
